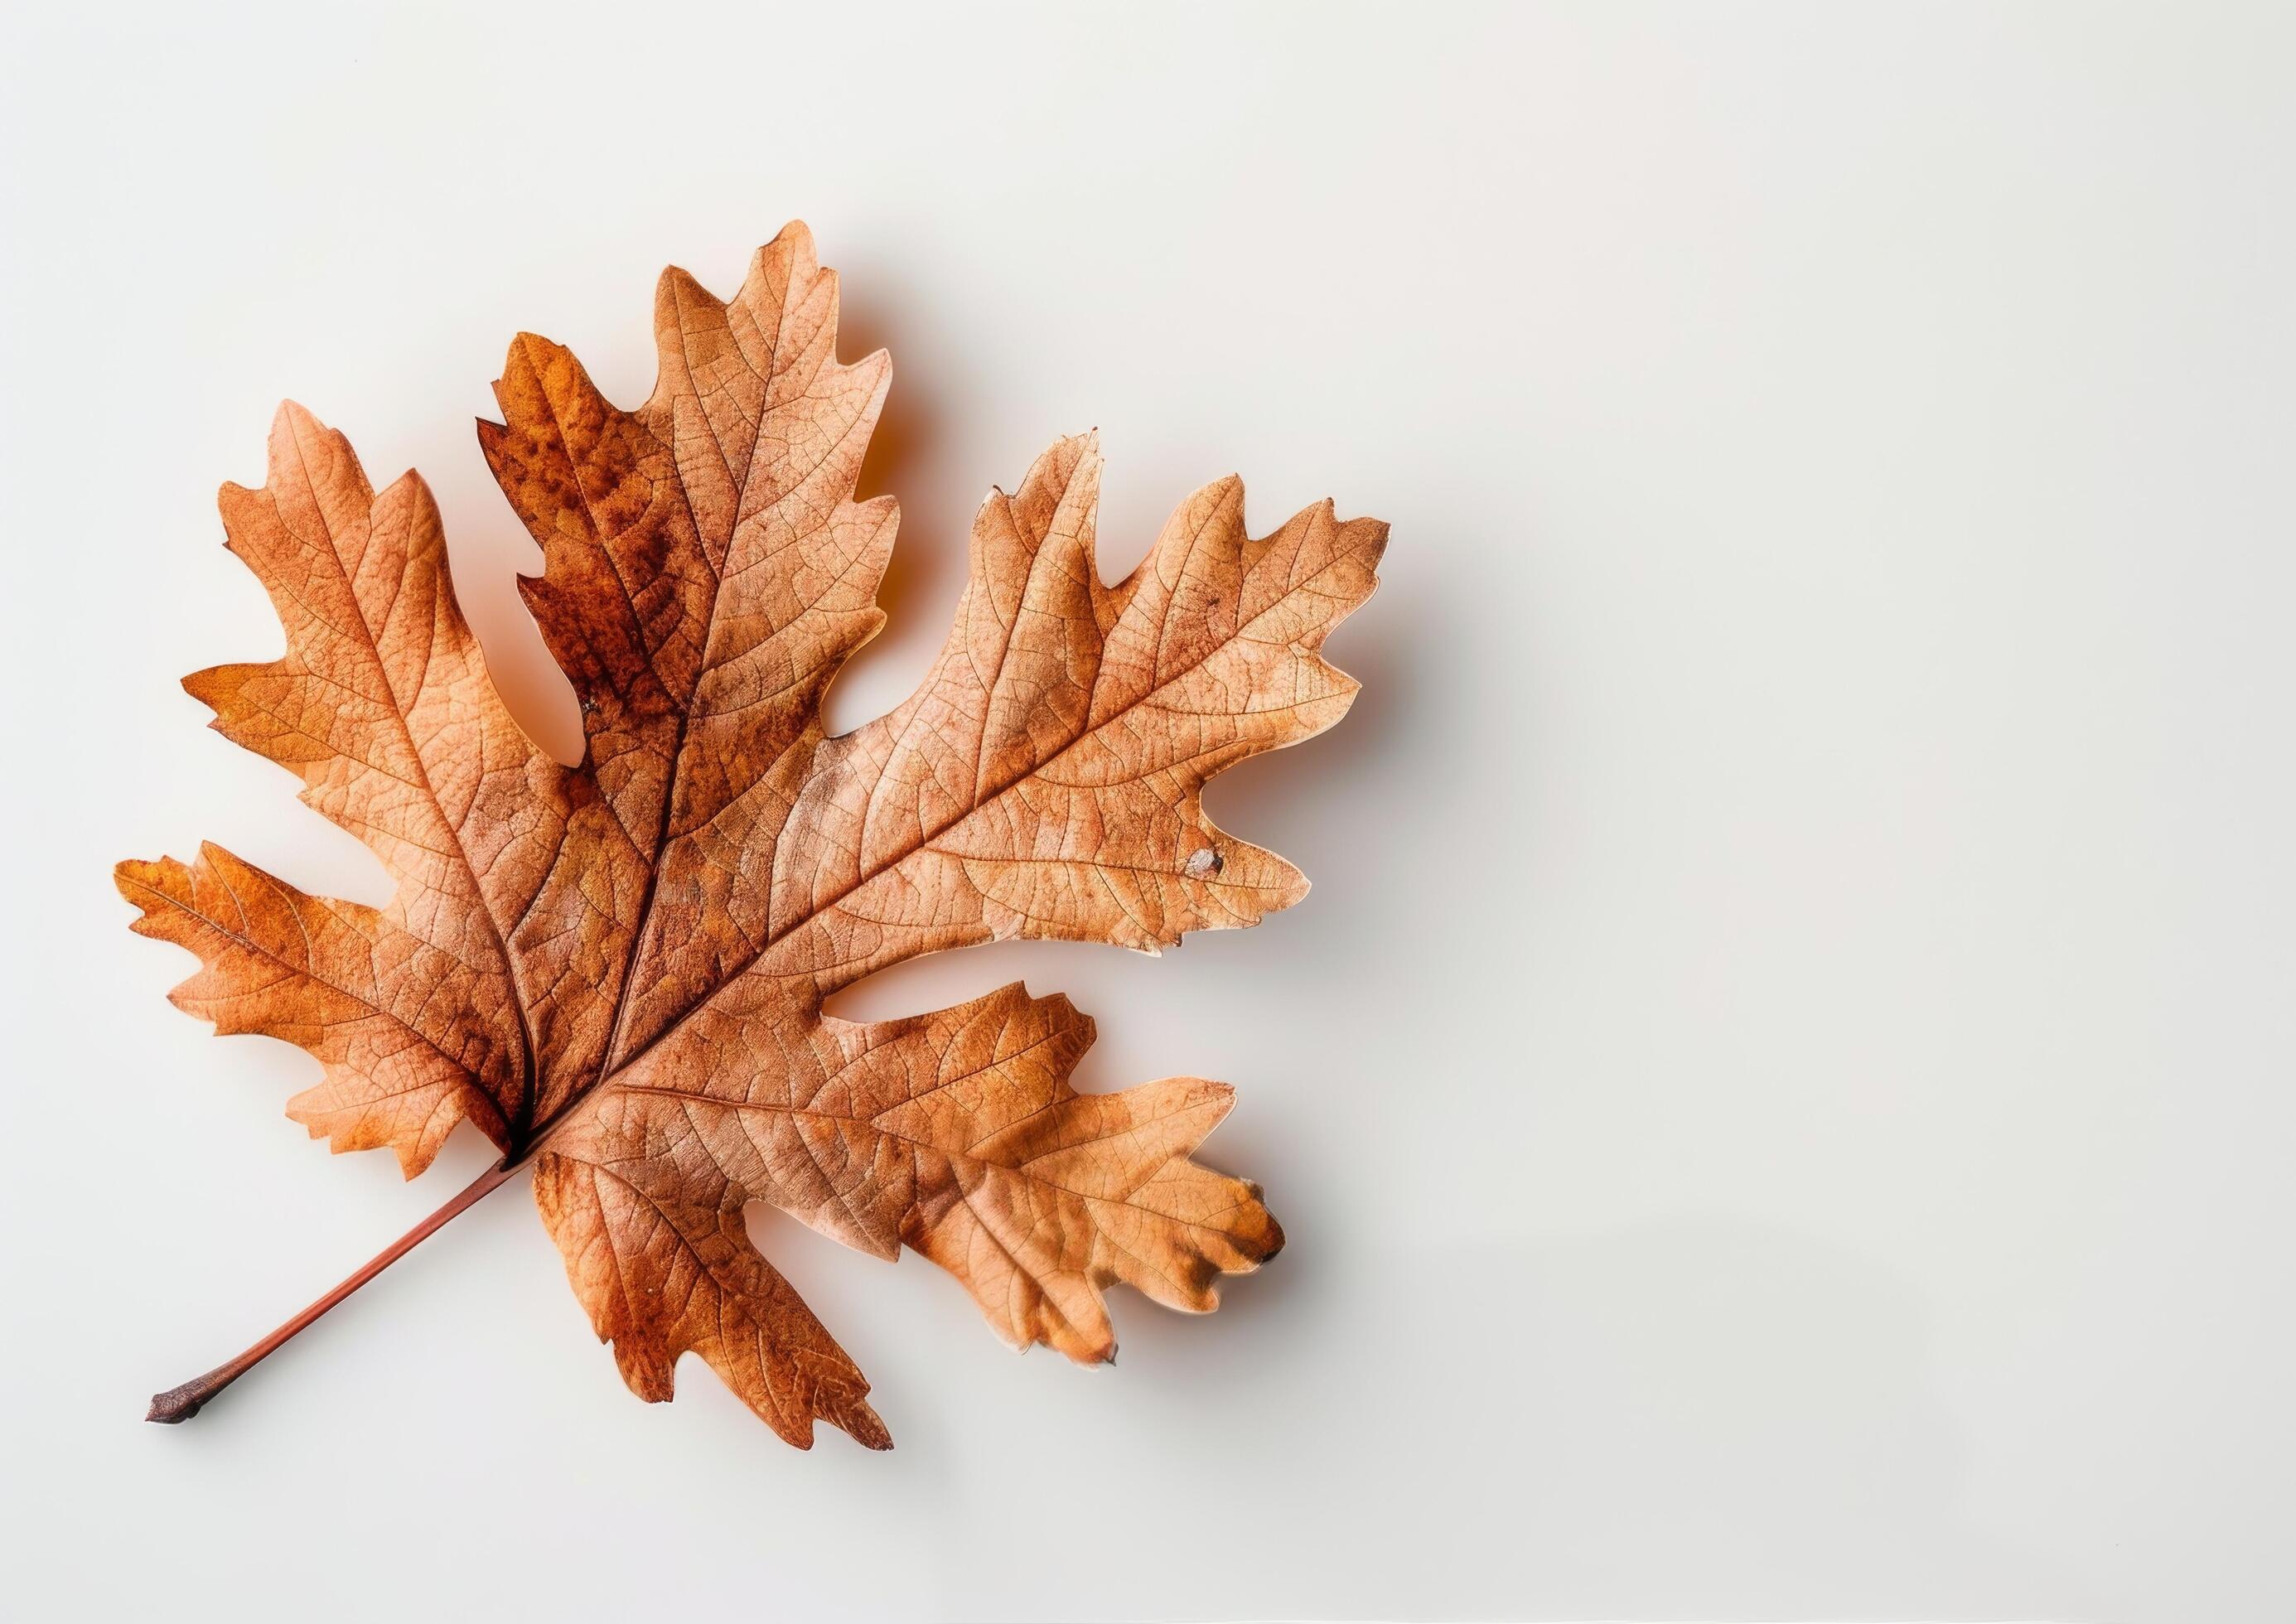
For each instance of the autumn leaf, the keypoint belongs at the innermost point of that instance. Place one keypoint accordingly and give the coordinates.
(615, 970)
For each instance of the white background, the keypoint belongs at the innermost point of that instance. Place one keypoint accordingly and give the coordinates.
(1782, 1093)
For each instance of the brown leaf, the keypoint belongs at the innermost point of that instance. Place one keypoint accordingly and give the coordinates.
(616, 970)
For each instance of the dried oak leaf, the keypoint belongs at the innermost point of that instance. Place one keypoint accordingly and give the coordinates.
(615, 970)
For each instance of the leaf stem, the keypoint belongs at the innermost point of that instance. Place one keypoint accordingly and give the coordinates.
(179, 1404)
